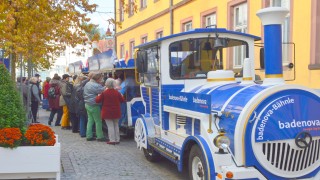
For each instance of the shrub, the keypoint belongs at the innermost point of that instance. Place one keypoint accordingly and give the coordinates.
(10, 137)
(12, 113)
(40, 135)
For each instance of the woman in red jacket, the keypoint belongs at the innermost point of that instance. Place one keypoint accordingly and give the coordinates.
(110, 112)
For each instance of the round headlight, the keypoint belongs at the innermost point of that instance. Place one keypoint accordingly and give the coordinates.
(221, 142)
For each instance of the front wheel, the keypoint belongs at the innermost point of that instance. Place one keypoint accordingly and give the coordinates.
(140, 134)
(197, 167)
(151, 155)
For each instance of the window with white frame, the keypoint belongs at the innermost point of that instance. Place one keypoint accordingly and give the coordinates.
(144, 39)
(131, 49)
(315, 36)
(131, 7)
(285, 30)
(143, 4)
(240, 25)
(159, 34)
(122, 51)
(210, 20)
(121, 12)
(187, 26)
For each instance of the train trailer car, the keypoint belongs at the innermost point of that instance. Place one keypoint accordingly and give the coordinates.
(133, 105)
(204, 121)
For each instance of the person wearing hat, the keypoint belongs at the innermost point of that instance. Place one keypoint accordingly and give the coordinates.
(64, 99)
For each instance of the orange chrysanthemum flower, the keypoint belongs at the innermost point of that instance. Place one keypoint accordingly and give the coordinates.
(40, 135)
(10, 137)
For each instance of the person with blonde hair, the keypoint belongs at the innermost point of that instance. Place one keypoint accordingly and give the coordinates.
(91, 90)
(35, 98)
(111, 111)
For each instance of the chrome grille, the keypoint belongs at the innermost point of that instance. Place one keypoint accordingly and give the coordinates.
(286, 158)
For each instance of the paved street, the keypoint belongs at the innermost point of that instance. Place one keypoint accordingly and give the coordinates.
(81, 159)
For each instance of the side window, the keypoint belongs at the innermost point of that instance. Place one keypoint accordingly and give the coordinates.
(147, 65)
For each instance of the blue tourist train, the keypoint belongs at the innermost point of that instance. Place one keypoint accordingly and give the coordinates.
(203, 119)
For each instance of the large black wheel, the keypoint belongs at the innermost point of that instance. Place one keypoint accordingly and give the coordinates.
(151, 154)
(197, 166)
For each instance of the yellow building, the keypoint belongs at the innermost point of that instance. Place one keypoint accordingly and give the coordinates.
(157, 18)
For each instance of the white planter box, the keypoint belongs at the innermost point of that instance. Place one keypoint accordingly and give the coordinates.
(30, 162)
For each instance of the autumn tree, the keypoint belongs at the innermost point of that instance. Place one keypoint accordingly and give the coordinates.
(38, 29)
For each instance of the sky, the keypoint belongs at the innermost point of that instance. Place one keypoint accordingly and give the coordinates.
(104, 11)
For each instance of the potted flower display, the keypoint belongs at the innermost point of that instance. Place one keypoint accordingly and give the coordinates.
(26, 151)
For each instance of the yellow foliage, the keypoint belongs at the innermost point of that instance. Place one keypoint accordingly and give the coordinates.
(41, 28)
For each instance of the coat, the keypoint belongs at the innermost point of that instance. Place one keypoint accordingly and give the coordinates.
(54, 102)
(90, 91)
(45, 89)
(64, 94)
(111, 100)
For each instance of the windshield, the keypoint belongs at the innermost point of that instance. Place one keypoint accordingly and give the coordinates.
(194, 58)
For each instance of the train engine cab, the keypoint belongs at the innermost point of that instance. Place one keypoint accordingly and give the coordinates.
(203, 119)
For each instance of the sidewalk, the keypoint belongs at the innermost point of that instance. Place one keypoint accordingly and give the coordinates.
(81, 159)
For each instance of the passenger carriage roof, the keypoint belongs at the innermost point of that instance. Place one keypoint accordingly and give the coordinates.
(198, 30)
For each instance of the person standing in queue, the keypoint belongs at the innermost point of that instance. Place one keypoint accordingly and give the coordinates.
(35, 98)
(111, 112)
(54, 94)
(91, 90)
(45, 89)
(64, 98)
(37, 76)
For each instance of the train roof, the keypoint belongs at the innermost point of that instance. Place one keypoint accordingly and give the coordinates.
(195, 31)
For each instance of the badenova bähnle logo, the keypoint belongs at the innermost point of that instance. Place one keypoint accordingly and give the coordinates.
(277, 117)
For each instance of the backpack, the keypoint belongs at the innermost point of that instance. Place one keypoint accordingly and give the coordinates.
(69, 89)
(52, 92)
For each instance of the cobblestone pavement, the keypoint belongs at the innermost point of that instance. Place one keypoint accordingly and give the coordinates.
(92, 160)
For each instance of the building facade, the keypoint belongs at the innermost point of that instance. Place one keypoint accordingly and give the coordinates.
(157, 18)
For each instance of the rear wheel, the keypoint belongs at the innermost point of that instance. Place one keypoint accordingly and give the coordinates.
(151, 155)
(197, 167)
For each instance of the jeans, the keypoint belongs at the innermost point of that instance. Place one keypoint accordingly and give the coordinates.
(94, 117)
(34, 110)
(83, 125)
(59, 115)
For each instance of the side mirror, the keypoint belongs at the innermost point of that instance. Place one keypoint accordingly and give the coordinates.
(262, 58)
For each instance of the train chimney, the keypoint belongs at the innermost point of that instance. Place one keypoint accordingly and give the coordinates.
(272, 18)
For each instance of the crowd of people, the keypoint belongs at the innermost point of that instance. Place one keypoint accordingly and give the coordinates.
(83, 104)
